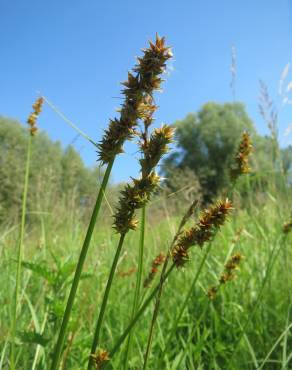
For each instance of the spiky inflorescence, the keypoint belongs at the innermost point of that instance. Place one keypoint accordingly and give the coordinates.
(32, 119)
(138, 193)
(154, 269)
(241, 165)
(287, 227)
(209, 223)
(100, 358)
(154, 148)
(133, 197)
(227, 275)
(140, 84)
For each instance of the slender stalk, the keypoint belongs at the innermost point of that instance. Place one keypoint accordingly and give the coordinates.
(138, 283)
(184, 305)
(104, 301)
(155, 312)
(79, 267)
(272, 259)
(20, 253)
(137, 316)
(161, 282)
(39, 347)
(68, 121)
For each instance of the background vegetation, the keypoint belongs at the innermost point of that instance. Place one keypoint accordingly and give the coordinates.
(248, 325)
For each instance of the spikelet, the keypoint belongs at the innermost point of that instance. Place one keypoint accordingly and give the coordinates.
(32, 119)
(241, 165)
(209, 223)
(287, 227)
(156, 147)
(212, 292)
(138, 193)
(144, 80)
(133, 197)
(227, 275)
(154, 269)
(100, 358)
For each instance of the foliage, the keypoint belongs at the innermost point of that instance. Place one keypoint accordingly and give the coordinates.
(206, 143)
(56, 175)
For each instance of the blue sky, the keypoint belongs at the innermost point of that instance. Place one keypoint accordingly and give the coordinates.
(77, 52)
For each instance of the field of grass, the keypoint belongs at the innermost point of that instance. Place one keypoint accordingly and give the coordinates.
(218, 277)
(247, 325)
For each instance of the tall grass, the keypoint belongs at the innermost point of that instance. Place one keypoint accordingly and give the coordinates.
(37, 106)
(182, 337)
(175, 321)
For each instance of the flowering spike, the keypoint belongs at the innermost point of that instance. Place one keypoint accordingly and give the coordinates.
(32, 119)
(100, 358)
(241, 159)
(154, 269)
(209, 223)
(227, 275)
(144, 80)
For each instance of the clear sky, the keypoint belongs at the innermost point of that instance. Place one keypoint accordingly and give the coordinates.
(76, 53)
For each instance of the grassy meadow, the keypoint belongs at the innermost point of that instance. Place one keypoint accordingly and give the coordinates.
(135, 277)
(247, 326)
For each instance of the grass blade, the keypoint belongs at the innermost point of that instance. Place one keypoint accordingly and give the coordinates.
(79, 268)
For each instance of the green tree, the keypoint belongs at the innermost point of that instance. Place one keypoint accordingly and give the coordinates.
(57, 177)
(206, 144)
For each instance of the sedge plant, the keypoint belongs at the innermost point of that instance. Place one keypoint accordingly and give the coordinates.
(31, 121)
(144, 80)
(201, 233)
(179, 251)
(135, 196)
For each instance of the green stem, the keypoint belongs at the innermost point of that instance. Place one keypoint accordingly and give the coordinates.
(184, 305)
(104, 301)
(272, 259)
(79, 267)
(137, 316)
(138, 283)
(155, 312)
(39, 347)
(160, 287)
(20, 253)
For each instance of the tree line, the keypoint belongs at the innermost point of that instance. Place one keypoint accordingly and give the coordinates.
(201, 160)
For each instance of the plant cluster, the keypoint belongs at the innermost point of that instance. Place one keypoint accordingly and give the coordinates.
(135, 120)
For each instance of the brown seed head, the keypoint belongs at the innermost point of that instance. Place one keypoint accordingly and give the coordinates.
(212, 292)
(230, 267)
(100, 358)
(32, 119)
(139, 87)
(154, 269)
(209, 223)
(133, 197)
(287, 227)
(154, 148)
(241, 165)
(227, 275)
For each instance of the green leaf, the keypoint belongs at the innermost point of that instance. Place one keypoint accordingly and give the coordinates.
(41, 270)
(33, 337)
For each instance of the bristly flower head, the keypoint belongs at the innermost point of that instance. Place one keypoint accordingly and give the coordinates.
(100, 358)
(32, 119)
(209, 223)
(133, 197)
(241, 165)
(140, 85)
(227, 275)
(154, 148)
(138, 193)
